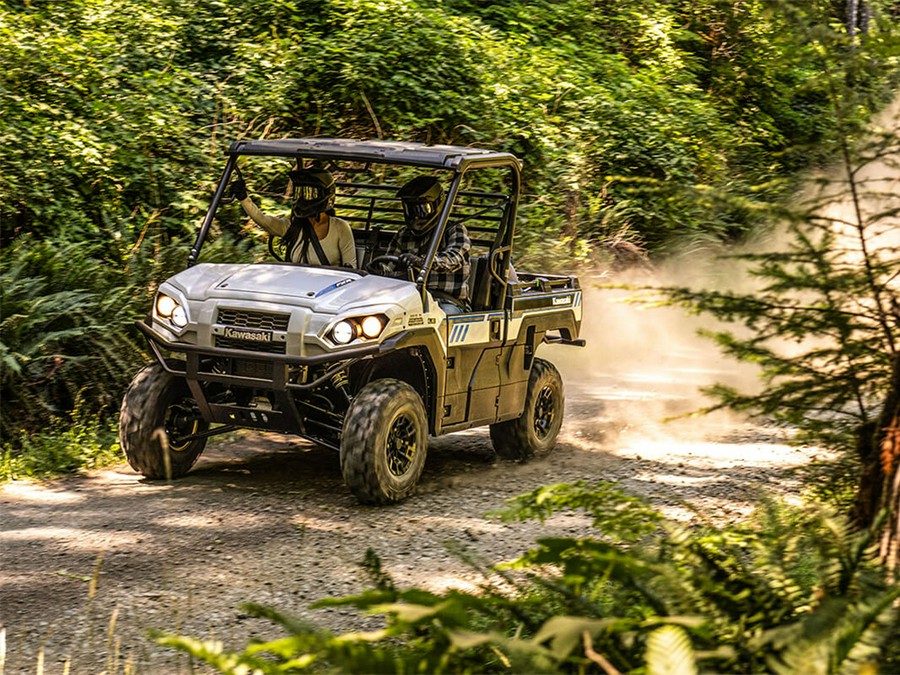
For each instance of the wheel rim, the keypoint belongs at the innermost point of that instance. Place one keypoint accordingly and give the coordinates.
(181, 421)
(544, 413)
(401, 445)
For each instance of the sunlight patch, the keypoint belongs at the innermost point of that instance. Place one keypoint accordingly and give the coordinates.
(39, 494)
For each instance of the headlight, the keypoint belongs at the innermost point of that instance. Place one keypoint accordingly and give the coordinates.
(343, 332)
(165, 305)
(179, 316)
(372, 326)
(368, 327)
(169, 308)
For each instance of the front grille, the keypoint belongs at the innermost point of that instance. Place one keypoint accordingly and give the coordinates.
(248, 346)
(241, 318)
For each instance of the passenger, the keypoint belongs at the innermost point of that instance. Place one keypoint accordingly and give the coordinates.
(423, 199)
(312, 234)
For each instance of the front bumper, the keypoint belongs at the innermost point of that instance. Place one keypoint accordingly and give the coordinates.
(283, 378)
(273, 369)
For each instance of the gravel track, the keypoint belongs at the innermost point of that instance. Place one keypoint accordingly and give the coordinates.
(266, 518)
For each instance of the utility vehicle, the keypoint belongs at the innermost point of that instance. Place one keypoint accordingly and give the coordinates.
(353, 359)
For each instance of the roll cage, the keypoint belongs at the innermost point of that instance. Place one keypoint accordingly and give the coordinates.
(369, 207)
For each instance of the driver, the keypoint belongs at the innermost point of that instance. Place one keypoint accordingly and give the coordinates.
(423, 199)
(312, 234)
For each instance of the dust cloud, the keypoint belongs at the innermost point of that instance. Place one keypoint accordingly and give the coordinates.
(647, 367)
(878, 182)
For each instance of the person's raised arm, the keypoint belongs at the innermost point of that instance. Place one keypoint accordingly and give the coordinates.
(272, 224)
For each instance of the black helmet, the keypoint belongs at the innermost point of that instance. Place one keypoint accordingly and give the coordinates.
(313, 192)
(422, 199)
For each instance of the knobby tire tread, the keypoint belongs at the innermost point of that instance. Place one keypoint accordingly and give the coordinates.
(514, 439)
(142, 414)
(359, 454)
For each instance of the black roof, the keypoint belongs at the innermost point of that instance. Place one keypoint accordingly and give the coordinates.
(455, 157)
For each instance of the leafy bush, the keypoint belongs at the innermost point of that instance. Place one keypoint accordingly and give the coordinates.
(98, 120)
(66, 334)
(628, 120)
(796, 590)
(63, 447)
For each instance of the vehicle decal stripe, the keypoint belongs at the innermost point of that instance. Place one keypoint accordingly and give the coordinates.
(459, 332)
(337, 284)
(478, 318)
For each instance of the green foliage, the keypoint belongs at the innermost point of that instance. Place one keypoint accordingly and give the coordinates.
(669, 652)
(127, 105)
(95, 118)
(612, 511)
(820, 320)
(636, 122)
(797, 589)
(63, 447)
(66, 336)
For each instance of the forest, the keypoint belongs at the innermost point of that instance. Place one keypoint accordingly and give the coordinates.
(660, 125)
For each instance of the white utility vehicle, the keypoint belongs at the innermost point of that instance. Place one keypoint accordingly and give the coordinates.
(352, 359)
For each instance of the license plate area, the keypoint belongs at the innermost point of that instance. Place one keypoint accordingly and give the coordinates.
(245, 369)
(259, 370)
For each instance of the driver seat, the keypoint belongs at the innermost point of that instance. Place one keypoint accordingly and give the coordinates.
(479, 283)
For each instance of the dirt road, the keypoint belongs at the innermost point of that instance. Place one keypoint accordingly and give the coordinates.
(90, 563)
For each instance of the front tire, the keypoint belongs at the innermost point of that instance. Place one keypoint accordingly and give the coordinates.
(384, 442)
(157, 412)
(534, 433)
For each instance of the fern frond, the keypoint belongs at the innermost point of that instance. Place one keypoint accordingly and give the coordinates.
(669, 652)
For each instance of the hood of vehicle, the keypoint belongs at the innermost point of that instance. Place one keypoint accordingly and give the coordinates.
(317, 288)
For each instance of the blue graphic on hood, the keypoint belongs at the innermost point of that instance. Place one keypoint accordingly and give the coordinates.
(337, 284)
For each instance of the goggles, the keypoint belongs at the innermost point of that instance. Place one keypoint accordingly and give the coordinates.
(416, 211)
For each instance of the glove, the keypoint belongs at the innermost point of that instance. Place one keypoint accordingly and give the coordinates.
(411, 261)
(239, 189)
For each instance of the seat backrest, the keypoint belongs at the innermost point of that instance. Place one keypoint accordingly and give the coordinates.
(370, 244)
(479, 283)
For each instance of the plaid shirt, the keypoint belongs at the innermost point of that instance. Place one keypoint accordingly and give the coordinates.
(450, 271)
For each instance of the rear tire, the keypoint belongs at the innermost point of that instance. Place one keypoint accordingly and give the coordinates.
(384, 442)
(534, 433)
(156, 412)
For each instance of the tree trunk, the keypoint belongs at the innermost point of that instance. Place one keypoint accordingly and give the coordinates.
(859, 14)
(871, 480)
(879, 485)
(570, 224)
(852, 12)
(890, 537)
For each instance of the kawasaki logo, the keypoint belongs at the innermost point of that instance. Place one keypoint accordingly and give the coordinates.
(251, 335)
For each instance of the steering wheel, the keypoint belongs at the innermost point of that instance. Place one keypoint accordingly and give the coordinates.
(378, 265)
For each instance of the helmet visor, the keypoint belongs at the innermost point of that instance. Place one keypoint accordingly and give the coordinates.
(309, 193)
(417, 212)
(313, 193)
